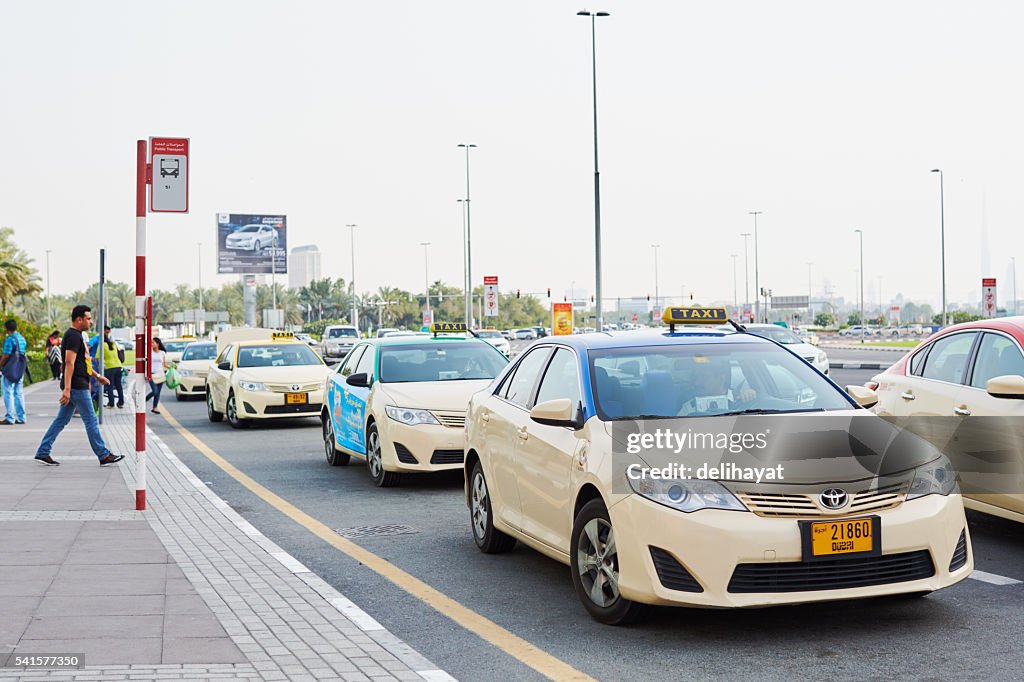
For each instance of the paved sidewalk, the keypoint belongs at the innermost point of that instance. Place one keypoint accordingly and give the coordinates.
(185, 590)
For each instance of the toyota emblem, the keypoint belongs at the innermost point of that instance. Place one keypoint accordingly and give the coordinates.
(296, 387)
(834, 498)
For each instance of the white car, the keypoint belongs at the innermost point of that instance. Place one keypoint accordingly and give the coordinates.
(494, 337)
(252, 237)
(525, 334)
(790, 341)
(857, 330)
(337, 341)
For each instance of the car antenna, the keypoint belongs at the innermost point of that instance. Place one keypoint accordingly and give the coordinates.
(737, 326)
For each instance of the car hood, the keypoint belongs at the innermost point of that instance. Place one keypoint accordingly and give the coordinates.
(279, 375)
(812, 448)
(196, 365)
(450, 396)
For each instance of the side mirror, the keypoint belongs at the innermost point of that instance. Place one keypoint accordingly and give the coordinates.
(559, 412)
(360, 380)
(226, 366)
(1008, 386)
(863, 396)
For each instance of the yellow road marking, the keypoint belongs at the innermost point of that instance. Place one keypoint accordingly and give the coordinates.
(513, 645)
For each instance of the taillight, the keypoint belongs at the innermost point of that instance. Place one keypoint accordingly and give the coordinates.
(873, 385)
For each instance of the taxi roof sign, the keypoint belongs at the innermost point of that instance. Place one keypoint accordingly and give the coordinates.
(280, 336)
(449, 328)
(694, 316)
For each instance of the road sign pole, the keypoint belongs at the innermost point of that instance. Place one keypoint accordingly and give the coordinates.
(142, 351)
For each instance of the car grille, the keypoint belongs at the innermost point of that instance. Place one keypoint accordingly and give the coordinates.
(292, 409)
(793, 505)
(404, 455)
(447, 457)
(960, 553)
(455, 420)
(832, 574)
(671, 573)
(287, 388)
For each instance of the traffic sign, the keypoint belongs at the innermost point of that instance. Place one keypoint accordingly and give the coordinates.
(988, 297)
(490, 296)
(168, 189)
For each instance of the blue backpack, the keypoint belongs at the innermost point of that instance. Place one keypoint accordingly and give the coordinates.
(14, 368)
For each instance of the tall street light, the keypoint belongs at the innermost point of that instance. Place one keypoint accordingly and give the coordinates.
(469, 249)
(354, 317)
(735, 301)
(657, 300)
(757, 279)
(49, 311)
(810, 309)
(942, 229)
(1013, 264)
(597, 175)
(746, 271)
(465, 265)
(426, 275)
(201, 328)
(860, 233)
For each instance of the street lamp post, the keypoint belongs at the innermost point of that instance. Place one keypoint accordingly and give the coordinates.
(942, 237)
(1013, 264)
(469, 249)
(49, 311)
(861, 234)
(810, 308)
(465, 261)
(426, 275)
(735, 300)
(746, 271)
(597, 176)
(757, 279)
(200, 328)
(352, 240)
(657, 300)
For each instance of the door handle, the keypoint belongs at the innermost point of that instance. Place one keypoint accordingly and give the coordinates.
(484, 417)
(962, 411)
(907, 395)
(523, 435)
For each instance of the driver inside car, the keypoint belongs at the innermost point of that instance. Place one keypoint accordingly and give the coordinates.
(712, 394)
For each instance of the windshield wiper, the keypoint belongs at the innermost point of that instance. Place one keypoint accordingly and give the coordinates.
(765, 410)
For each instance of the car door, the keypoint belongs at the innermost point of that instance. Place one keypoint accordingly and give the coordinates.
(356, 400)
(506, 413)
(991, 465)
(336, 390)
(545, 458)
(220, 379)
(351, 406)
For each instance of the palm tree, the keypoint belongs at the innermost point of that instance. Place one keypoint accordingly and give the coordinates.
(17, 276)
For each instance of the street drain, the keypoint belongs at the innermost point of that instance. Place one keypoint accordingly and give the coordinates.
(375, 531)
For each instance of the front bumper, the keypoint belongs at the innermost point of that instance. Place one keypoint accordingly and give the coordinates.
(711, 544)
(191, 386)
(272, 405)
(421, 448)
(337, 351)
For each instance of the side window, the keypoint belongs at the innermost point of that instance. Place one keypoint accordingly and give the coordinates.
(997, 356)
(561, 379)
(520, 386)
(365, 363)
(917, 361)
(225, 355)
(948, 357)
(350, 362)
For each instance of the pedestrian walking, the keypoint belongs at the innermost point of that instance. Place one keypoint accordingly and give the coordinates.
(158, 361)
(13, 364)
(113, 361)
(53, 353)
(75, 392)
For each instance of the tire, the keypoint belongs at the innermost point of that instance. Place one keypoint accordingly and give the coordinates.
(375, 461)
(179, 397)
(231, 411)
(213, 414)
(595, 574)
(335, 457)
(488, 539)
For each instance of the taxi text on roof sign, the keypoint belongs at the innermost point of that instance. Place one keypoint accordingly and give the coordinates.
(443, 327)
(673, 316)
(278, 336)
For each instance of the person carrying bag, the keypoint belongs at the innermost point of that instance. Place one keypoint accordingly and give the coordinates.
(13, 364)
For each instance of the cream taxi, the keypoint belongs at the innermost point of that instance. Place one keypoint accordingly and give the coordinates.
(193, 368)
(399, 402)
(176, 347)
(264, 378)
(777, 486)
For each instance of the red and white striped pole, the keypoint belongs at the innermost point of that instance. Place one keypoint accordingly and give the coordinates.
(142, 350)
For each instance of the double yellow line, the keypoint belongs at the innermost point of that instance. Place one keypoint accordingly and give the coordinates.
(513, 645)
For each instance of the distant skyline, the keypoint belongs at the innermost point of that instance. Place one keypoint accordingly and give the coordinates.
(826, 118)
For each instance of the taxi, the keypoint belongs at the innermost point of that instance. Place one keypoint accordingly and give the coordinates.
(263, 378)
(193, 367)
(781, 488)
(176, 347)
(399, 402)
(963, 390)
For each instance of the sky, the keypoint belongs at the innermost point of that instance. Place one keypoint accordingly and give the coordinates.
(825, 116)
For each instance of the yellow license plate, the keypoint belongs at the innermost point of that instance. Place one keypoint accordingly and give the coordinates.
(296, 398)
(848, 536)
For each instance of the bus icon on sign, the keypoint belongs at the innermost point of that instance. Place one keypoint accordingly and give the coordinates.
(168, 167)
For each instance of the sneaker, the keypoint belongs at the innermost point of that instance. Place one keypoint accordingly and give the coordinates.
(48, 461)
(20, 422)
(111, 459)
(155, 411)
(4, 422)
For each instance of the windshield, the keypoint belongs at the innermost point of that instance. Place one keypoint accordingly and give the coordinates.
(777, 334)
(338, 332)
(447, 361)
(175, 346)
(200, 351)
(706, 380)
(277, 355)
(490, 335)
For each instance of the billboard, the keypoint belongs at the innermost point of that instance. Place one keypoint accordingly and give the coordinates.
(561, 319)
(251, 244)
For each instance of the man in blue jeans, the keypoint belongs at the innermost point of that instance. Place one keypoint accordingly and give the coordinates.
(14, 400)
(75, 394)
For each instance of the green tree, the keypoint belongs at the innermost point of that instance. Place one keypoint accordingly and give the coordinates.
(824, 320)
(956, 317)
(17, 276)
(853, 318)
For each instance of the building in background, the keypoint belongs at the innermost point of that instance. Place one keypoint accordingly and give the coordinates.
(303, 265)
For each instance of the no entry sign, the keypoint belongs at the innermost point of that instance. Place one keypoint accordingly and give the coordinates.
(168, 191)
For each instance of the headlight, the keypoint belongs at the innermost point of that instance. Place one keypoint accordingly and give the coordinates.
(686, 495)
(410, 416)
(937, 477)
(252, 386)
